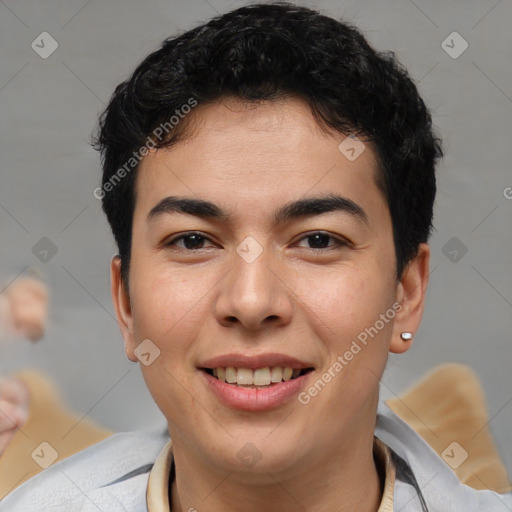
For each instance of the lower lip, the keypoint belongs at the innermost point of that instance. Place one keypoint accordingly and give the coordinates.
(253, 399)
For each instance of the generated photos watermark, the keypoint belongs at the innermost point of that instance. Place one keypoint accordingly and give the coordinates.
(355, 348)
(158, 134)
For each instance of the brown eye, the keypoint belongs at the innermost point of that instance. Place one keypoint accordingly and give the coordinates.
(321, 240)
(189, 241)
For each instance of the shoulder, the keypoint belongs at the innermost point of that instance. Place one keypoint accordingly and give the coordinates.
(110, 475)
(440, 487)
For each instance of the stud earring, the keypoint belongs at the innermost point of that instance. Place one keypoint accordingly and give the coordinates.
(406, 336)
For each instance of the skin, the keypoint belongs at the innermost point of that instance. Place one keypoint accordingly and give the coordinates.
(28, 308)
(14, 409)
(194, 304)
(24, 313)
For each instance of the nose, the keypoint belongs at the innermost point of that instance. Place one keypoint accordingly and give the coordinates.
(253, 296)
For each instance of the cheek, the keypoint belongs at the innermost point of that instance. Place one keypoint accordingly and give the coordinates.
(169, 310)
(346, 305)
(166, 303)
(171, 389)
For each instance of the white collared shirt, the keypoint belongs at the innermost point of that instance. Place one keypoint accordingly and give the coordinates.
(129, 472)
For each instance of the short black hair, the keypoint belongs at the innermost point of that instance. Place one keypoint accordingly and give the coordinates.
(266, 52)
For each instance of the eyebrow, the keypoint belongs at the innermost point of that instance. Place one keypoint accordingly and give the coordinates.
(296, 209)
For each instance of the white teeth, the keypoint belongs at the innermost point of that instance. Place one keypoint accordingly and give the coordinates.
(262, 377)
(277, 374)
(230, 375)
(244, 376)
(259, 377)
(287, 374)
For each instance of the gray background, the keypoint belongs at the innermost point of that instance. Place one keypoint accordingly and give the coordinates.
(49, 107)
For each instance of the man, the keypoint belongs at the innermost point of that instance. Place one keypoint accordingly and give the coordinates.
(269, 181)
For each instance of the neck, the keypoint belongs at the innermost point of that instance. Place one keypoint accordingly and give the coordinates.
(340, 480)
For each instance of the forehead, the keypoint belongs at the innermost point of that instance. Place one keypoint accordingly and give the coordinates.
(247, 155)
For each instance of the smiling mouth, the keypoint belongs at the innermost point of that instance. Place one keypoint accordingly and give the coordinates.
(257, 378)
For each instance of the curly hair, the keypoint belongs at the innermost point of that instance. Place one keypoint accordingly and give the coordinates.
(268, 52)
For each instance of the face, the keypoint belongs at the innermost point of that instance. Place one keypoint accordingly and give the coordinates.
(260, 250)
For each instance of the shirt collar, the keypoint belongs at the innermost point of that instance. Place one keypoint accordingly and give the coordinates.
(158, 485)
(386, 467)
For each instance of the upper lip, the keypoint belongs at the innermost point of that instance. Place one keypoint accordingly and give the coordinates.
(254, 362)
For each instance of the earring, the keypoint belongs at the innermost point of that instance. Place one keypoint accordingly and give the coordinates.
(406, 336)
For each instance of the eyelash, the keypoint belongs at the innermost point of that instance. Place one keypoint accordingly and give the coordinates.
(339, 242)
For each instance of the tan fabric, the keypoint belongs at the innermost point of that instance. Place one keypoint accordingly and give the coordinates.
(383, 460)
(50, 421)
(157, 493)
(448, 406)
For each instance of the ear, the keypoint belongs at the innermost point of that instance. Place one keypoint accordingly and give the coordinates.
(122, 306)
(411, 292)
